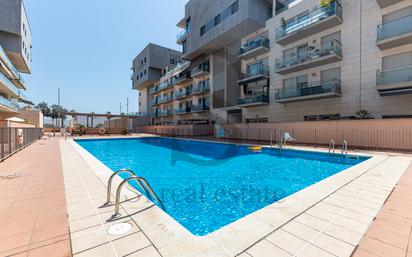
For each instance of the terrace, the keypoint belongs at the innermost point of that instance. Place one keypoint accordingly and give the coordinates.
(311, 91)
(317, 55)
(255, 47)
(320, 19)
(254, 73)
(394, 82)
(254, 100)
(395, 33)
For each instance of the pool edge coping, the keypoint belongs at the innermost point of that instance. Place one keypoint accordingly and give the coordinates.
(168, 235)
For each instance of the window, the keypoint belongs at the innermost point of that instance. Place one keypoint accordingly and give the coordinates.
(145, 72)
(145, 60)
(226, 13)
(172, 61)
(141, 75)
(141, 62)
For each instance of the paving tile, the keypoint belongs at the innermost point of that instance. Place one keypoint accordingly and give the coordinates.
(286, 241)
(381, 249)
(265, 249)
(333, 245)
(88, 238)
(58, 249)
(105, 250)
(314, 251)
(131, 243)
(146, 252)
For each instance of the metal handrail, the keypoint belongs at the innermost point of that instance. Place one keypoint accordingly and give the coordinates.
(145, 187)
(345, 148)
(332, 146)
(109, 182)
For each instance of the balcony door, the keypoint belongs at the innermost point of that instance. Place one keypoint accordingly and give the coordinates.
(327, 77)
(254, 69)
(302, 52)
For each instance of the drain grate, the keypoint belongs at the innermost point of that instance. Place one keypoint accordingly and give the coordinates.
(119, 229)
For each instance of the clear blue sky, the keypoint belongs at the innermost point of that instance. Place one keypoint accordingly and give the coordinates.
(86, 48)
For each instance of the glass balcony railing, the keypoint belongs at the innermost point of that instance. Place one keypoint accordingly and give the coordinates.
(312, 53)
(181, 79)
(395, 28)
(10, 85)
(253, 99)
(182, 110)
(399, 75)
(164, 85)
(310, 89)
(200, 108)
(255, 70)
(202, 87)
(4, 56)
(317, 15)
(200, 69)
(9, 104)
(181, 35)
(258, 42)
(153, 90)
(183, 93)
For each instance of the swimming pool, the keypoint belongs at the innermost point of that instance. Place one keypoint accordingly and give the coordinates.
(205, 186)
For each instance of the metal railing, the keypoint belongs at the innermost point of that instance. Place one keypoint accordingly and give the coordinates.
(204, 67)
(317, 15)
(164, 85)
(251, 99)
(313, 88)
(153, 90)
(200, 108)
(8, 84)
(258, 42)
(144, 185)
(9, 104)
(255, 70)
(14, 139)
(183, 93)
(181, 35)
(177, 80)
(182, 110)
(398, 75)
(395, 28)
(202, 87)
(312, 53)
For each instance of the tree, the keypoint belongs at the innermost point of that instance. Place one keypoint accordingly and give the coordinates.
(58, 112)
(44, 108)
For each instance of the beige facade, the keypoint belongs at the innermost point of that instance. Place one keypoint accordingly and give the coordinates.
(326, 64)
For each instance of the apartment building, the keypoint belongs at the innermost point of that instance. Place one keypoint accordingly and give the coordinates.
(289, 60)
(148, 67)
(15, 57)
(205, 87)
(330, 59)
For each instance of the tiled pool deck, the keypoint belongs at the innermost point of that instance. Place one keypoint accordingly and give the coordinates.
(331, 218)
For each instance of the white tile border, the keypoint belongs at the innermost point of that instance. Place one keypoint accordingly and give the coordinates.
(172, 239)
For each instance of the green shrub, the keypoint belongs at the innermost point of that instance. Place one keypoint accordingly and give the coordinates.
(325, 3)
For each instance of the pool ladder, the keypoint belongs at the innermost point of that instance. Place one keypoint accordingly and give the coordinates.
(345, 148)
(143, 184)
(331, 146)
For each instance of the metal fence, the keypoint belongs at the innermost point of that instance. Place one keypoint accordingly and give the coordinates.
(14, 139)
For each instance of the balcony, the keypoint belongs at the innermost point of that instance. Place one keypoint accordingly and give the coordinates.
(8, 88)
(394, 82)
(254, 100)
(181, 79)
(181, 37)
(165, 113)
(201, 88)
(201, 70)
(316, 21)
(164, 86)
(183, 110)
(386, 3)
(255, 72)
(182, 94)
(17, 77)
(254, 48)
(8, 106)
(313, 91)
(395, 33)
(200, 108)
(153, 90)
(326, 53)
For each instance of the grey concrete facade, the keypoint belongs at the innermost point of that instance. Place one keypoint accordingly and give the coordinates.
(148, 67)
(15, 34)
(15, 56)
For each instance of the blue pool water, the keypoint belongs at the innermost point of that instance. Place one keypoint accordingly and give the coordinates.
(205, 186)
